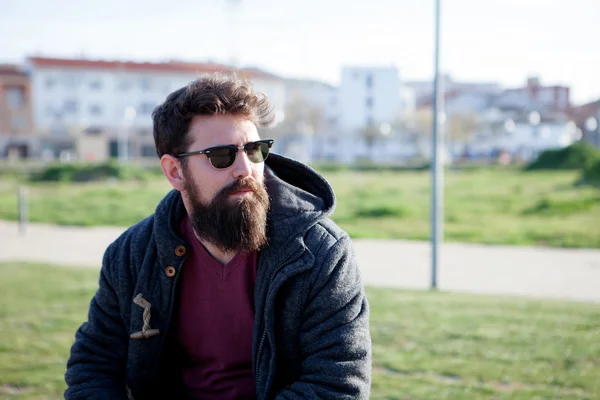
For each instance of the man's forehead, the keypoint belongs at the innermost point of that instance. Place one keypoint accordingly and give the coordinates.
(222, 128)
(222, 120)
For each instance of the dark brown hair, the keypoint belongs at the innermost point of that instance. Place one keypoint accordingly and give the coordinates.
(214, 94)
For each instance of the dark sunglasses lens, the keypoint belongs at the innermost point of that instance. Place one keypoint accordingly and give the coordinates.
(257, 151)
(221, 157)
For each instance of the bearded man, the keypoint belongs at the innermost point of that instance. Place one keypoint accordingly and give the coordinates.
(239, 286)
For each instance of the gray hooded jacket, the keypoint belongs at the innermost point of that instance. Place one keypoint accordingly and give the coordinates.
(311, 331)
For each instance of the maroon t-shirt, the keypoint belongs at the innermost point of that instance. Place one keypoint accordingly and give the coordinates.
(215, 322)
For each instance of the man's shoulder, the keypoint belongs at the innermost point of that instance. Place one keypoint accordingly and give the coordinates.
(323, 235)
(333, 255)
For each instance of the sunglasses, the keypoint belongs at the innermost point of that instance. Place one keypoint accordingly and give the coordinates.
(222, 157)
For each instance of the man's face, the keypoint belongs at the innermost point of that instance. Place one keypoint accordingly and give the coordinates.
(228, 206)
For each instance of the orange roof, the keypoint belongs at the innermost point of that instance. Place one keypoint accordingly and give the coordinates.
(584, 111)
(11, 70)
(174, 66)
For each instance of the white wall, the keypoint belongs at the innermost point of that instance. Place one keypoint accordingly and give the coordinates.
(424, 89)
(274, 89)
(544, 98)
(467, 103)
(104, 106)
(396, 149)
(527, 141)
(543, 137)
(514, 98)
(317, 94)
(409, 100)
(101, 106)
(383, 92)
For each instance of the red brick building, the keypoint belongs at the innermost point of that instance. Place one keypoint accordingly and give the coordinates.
(16, 123)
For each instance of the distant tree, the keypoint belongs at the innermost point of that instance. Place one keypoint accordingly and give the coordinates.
(422, 121)
(298, 115)
(462, 126)
(456, 127)
(370, 133)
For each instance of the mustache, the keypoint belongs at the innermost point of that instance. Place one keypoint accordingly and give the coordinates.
(241, 184)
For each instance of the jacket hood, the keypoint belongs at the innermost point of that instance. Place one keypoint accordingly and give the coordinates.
(300, 197)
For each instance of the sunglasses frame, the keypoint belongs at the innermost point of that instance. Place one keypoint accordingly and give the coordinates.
(231, 147)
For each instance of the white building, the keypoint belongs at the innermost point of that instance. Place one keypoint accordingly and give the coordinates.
(424, 89)
(320, 95)
(369, 96)
(465, 103)
(524, 140)
(535, 96)
(312, 113)
(82, 104)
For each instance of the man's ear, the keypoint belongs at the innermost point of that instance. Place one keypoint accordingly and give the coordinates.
(173, 171)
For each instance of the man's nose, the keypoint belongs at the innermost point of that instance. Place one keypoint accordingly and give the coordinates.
(242, 166)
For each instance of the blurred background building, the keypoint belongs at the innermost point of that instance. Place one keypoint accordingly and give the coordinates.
(93, 110)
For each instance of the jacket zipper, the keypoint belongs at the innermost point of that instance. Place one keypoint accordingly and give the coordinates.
(264, 334)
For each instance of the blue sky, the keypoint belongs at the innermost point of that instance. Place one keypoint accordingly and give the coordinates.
(483, 40)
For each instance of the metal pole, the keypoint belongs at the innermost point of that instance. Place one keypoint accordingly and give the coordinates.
(436, 164)
(128, 118)
(123, 144)
(22, 203)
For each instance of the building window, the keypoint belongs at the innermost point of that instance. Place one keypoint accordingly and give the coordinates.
(93, 130)
(50, 82)
(369, 102)
(148, 151)
(369, 81)
(145, 84)
(18, 123)
(59, 131)
(70, 106)
(95, 110)
(124, 85)
(15, 97)
(70, 81)
(146, 108)
(96, 85)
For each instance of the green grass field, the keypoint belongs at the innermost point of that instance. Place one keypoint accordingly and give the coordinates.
(495, 206)
(426, 345)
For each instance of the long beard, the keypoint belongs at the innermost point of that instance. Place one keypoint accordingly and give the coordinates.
(232, 224)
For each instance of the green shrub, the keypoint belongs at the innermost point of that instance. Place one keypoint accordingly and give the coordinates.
(575, 156)
(369, 167)
(55, 173)
(381, 211)
(89, 172)
(329, 167)
(555, 207)
(591, 174)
